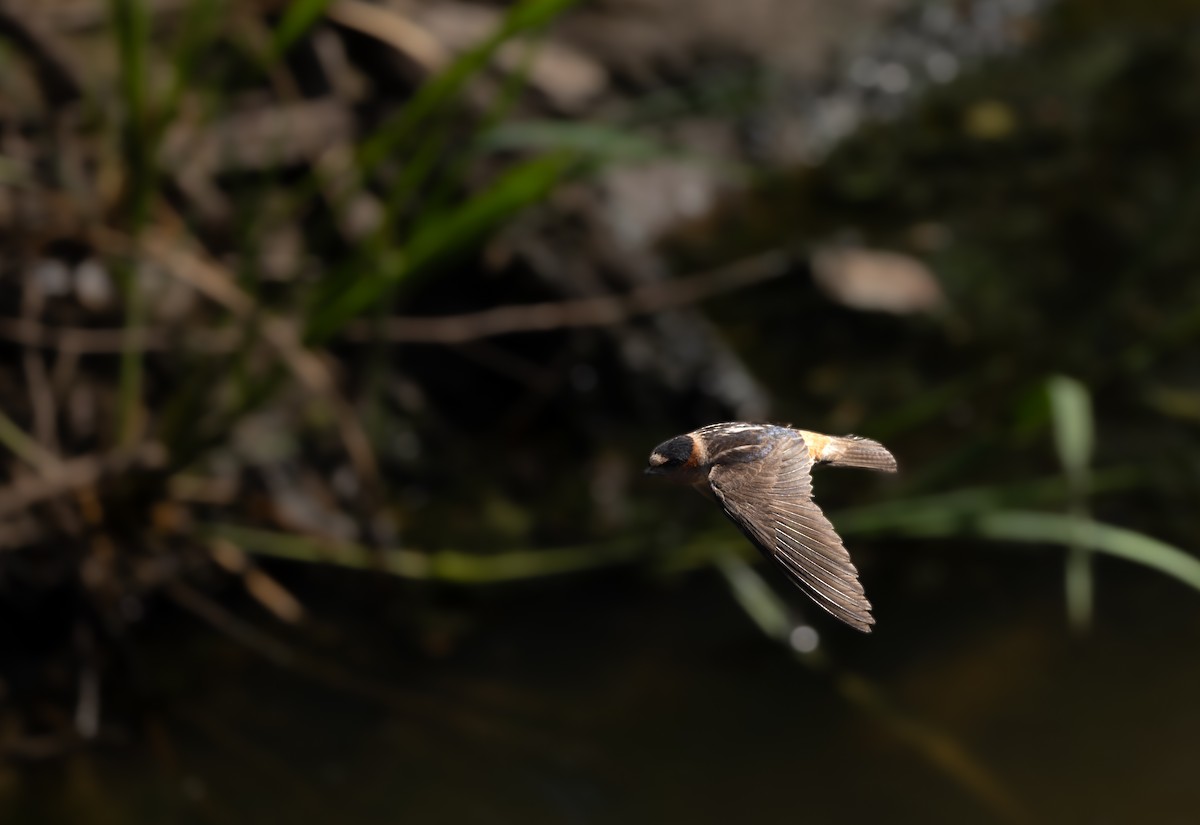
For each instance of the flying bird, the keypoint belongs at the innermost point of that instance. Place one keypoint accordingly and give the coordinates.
(762, 476)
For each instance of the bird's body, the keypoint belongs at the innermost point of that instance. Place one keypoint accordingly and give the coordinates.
(762, 476)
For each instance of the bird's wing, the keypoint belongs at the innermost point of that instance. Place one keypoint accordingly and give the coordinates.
(771, 501)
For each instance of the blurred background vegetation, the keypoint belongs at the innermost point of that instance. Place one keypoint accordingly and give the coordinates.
(335, 335)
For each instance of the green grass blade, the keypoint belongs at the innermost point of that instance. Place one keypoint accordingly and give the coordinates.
(1021, 526)
(131, 30)
(425, 108)
(452, 566)
(1079, 585)
(942, 514)
(756, 598)
(518, 187)
(413, 135)
(197, 35)
(1025, 526)
(440, 236)
(1074, 438)
(22, 445)
(1074, 432)
(300, 16)
(525, 16)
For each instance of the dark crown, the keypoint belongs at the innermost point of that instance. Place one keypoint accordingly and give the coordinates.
(676, 451)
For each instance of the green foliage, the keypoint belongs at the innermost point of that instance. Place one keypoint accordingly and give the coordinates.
(438, 236)
(1072, 531)
(417, 233)
(1073, 429)
(764, 607)
(131, 25)
(987, 512)
(404, 245)
(1074, 436)
(298, 18)
(449, 566)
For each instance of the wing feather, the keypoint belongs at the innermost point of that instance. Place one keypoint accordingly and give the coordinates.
(771, 501)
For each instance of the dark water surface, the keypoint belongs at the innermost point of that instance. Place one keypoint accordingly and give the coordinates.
(620, 701)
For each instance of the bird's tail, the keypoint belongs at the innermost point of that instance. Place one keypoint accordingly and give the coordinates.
(849, 451)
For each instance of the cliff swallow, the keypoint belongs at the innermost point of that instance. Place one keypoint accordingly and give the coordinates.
(762, 476)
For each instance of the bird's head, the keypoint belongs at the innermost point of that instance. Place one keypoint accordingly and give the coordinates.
(674, 457)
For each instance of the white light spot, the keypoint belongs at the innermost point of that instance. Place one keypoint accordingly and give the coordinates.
(892, 78)
(942, 67)
(804, 639)
(93, 285)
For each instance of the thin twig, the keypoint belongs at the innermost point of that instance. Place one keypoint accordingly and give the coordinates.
(52, 61)
(267, 590)
(110, 340)
(391, 27)
(25, 447)
(446, 329)
(584, 312)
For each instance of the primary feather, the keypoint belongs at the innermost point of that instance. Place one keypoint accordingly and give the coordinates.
(771, 501)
